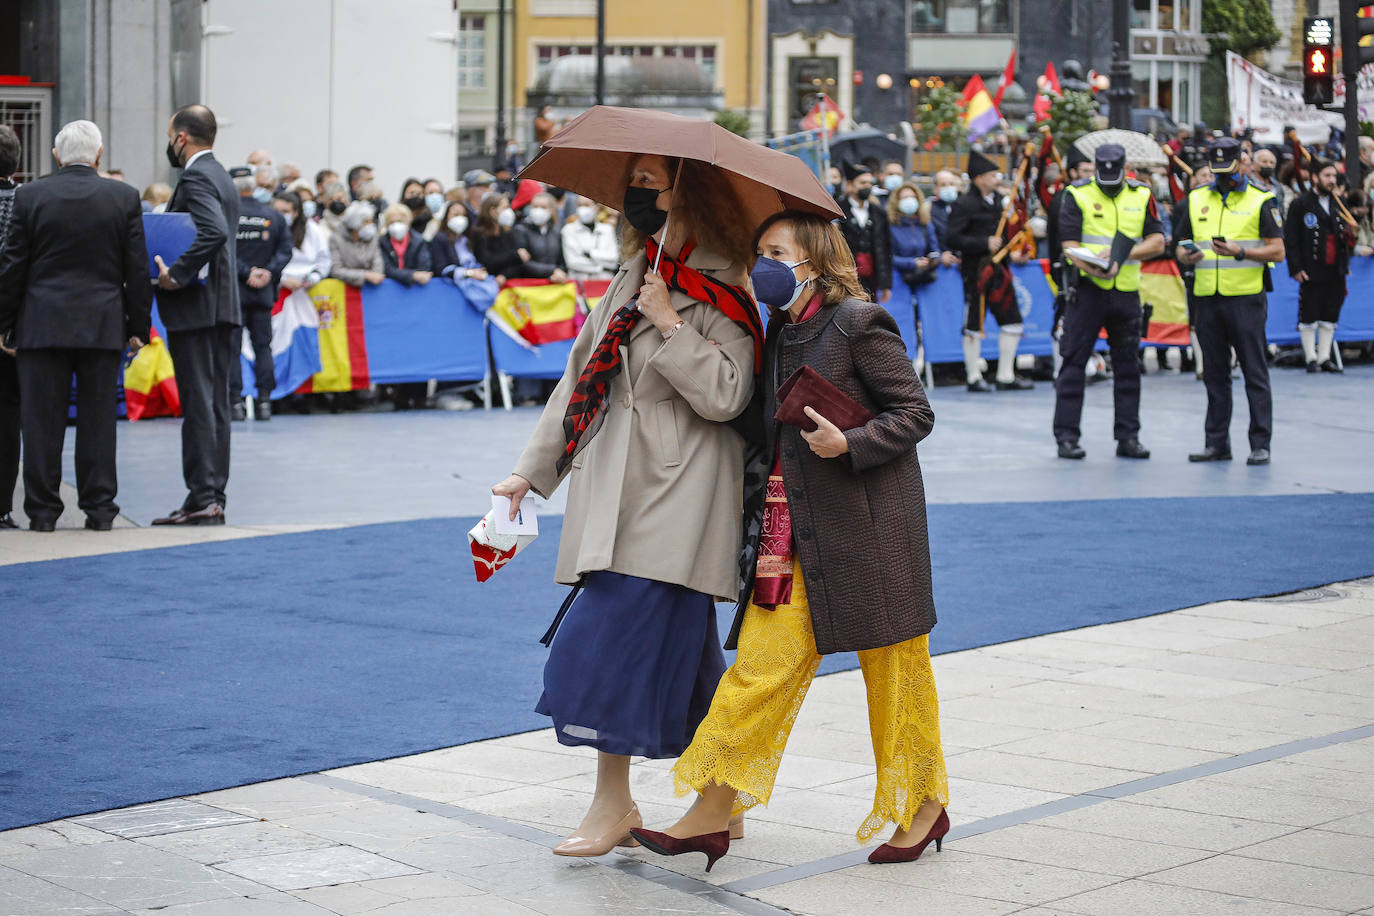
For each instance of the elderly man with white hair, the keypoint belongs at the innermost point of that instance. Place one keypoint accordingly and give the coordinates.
(74, 292)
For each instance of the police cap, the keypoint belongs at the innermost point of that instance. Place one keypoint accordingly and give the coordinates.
(1223, 155)
(1110, 159)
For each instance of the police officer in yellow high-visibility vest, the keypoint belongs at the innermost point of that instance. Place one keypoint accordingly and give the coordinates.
(1229, 232)
(1116, 217)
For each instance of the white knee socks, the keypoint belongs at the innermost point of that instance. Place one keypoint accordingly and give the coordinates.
(1308, 333)
(1007, 342)
(1326, 332)
(972, 344)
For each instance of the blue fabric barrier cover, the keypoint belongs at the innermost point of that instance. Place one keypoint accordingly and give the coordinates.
(169, 235)
(546, 362)
(1357, 315)
(942, 313)
(419, 333)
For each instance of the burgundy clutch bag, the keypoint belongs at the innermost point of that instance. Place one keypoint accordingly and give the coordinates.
(808, 388)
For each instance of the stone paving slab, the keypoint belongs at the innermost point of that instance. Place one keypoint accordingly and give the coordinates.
(1091, 773)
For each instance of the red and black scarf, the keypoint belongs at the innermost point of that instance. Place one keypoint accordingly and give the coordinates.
(594, 384)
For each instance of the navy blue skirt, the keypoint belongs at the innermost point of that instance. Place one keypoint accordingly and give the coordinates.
(633, 667)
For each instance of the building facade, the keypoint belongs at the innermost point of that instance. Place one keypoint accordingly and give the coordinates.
(714, 45)
(1168, 54)
(479, 77)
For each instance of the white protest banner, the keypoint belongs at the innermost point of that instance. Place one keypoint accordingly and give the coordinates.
(1267, 104)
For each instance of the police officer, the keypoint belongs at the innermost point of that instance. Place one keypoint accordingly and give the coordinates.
(1229, 232)
(1098, 213)
(264, 248)
(1319, 259)
(972, 234)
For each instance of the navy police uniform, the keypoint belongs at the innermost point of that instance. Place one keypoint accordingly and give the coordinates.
(1095, 211)
(1229, 304)
(263, 240)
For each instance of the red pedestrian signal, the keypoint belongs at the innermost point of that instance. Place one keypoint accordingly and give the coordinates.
(1319, 40)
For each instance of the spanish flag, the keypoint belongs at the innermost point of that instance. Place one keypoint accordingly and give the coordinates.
(150, 386)
(537, 311)
(343, 343)
(1161, 286)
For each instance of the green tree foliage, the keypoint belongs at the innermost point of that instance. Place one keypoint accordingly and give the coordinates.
(1071, 116)
(939, 122)
(737, 122)
(1243, 26)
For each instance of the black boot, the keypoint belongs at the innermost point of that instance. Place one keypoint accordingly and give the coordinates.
(262, 410)
(979, 386)
(1070, 448)
(1016, 384)
(1211, 453)
(237, 411)
(1131, 448)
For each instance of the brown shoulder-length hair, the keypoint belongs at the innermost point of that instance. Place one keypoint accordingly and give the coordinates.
(823, 245)
(706, 206)
(486, 215)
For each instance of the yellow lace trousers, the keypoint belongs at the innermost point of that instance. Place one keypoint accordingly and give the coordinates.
(741, 740)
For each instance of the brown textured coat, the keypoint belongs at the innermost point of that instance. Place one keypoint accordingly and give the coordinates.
(859, 520)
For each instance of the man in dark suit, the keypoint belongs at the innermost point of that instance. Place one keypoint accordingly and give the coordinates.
(73, 290)
(198, 300)
(867, 232)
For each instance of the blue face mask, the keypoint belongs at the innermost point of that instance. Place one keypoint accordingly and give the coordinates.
(775, 282)
(262, 195)
(435, 201)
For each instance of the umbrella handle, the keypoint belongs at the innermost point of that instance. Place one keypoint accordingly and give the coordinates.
(658, 256)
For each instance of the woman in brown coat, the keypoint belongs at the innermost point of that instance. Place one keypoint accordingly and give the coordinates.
(837, 558)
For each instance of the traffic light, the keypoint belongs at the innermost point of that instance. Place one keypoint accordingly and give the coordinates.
(1356, 28)
(1318, 60)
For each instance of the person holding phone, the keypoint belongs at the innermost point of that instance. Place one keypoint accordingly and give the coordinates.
(1235, 232)
(1097, 212)
(837, 559)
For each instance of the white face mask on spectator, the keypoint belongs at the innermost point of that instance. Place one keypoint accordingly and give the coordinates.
(398, 231)
(458, 225)
(505, 219)
(308, 208)
(368, 232)
(538, 216)
(586, 214)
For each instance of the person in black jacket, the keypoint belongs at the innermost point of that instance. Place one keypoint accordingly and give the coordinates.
(9, 374)
(73, 292)
(1319, 259)
(198, 300)
(493, 241)
(539, 234)
(973, 235)
(866, 231)
(263, 247)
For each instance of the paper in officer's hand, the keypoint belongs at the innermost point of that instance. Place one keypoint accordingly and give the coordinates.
(525, 522)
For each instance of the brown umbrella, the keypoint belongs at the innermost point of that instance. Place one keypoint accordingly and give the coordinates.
(594, 153)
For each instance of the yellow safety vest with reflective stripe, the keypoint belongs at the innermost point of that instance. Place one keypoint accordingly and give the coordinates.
(1238, 221)
(1104, 217)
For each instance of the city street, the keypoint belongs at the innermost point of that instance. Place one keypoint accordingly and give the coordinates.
(1215, 756)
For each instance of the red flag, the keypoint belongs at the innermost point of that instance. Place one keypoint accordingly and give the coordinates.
(1050, 87)
(1180, 178)
(1008, 75)
(1043, 159)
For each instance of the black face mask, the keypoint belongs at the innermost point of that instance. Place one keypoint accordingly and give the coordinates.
(1225, 181)
(173, 156)
(1266, 172)
(337, 207)
(863, 193)
(641, 210)
(414, 203)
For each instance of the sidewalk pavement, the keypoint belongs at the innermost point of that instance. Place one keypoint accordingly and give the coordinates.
(1218, 759)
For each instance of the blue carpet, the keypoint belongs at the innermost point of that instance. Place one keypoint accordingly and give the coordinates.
(139, 676)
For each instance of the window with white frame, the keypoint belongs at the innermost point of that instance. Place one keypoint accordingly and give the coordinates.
(705, 55)
(472, 52)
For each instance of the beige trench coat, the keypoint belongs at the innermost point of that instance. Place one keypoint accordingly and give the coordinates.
(657, 492)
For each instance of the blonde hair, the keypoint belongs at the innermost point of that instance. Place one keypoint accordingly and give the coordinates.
(397, 213)
(895, 215)
(821, 241)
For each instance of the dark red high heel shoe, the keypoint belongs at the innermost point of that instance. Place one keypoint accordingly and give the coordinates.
(888, 853)
(714, 845)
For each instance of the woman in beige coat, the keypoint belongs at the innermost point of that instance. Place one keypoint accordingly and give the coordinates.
(640, 425)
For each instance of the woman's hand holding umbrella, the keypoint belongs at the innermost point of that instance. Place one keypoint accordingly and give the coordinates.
(655, 304)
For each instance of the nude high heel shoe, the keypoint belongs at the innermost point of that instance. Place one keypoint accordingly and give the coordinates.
(737, 826)
(618, 835)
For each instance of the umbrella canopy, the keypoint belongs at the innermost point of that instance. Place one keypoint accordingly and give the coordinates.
(594, 153)
(1142, 150)
(864, 143)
